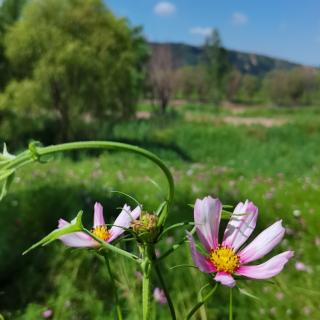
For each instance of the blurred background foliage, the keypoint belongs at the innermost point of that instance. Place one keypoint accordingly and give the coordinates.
(229, 124)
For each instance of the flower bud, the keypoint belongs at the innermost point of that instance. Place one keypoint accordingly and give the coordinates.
(146, 227)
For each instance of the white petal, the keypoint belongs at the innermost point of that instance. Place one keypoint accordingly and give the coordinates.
(123, 221)
(267, 269)
(207, 214)
(241, 225)
(263, 243)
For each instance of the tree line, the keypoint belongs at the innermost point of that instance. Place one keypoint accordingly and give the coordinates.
(215, 79)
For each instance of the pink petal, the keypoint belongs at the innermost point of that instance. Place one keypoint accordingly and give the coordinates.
(225, 278)
(63, 223)
(263, 243)
(267, 269)
(123, 221)
(98, 219)
(200, 261)
(241, 225)
(77, 240)
(207, 214)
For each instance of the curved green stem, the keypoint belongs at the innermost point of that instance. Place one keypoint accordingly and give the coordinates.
(29, 156)
(230, 305)
(118, 308)
(200, 303)
(166, 292)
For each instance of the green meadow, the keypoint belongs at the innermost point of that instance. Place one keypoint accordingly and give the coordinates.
(275, 164)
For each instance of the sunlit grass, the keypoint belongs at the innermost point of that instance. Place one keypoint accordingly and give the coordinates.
(278, 168)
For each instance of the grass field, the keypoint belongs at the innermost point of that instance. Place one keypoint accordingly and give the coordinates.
(275, 166)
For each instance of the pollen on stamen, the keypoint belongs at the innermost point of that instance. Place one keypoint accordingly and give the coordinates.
(101, 232)
(224, 259)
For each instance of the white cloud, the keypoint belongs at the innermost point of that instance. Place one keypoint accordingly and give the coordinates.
(164, 8)
(201, 31)
(239, 19)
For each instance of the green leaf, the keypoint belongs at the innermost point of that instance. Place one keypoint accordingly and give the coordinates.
(128, 196)
(174, 226)
(183, 266)
(248, 294)
(75, 226)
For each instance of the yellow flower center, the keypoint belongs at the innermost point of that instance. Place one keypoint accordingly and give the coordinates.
(101, 232)
(224, 259)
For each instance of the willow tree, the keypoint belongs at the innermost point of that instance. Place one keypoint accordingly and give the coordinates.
(74, 60)
(9, 13)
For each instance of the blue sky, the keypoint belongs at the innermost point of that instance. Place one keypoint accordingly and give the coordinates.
(287, 29)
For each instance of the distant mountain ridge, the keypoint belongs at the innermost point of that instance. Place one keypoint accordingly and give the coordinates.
(250, 63)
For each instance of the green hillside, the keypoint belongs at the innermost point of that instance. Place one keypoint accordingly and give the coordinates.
(251, 63)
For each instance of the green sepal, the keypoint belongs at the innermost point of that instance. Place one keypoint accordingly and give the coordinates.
(5, 155)
(162, 213)
(160, 208)
(8, 177)
(74, 226)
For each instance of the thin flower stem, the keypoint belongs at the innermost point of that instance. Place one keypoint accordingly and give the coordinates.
(166, 292)
(146, 291)
(230, 305)
(37, 152)
(146, 287)
(118, 308)
(201, 303)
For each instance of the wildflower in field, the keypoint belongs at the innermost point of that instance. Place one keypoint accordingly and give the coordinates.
(47, 313)
(159, 296)
(229, 258)
(100, 230)
(300, 266)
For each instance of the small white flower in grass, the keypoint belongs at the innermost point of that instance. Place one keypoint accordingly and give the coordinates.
(296, 213)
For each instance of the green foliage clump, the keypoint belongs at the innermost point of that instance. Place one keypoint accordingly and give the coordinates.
(75, 62)
(292, 88)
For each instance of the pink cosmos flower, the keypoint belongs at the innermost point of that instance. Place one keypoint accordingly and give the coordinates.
(81, 239)
(159, 296)
(229, 258)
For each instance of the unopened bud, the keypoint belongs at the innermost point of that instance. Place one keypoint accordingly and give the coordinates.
(146, 227)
